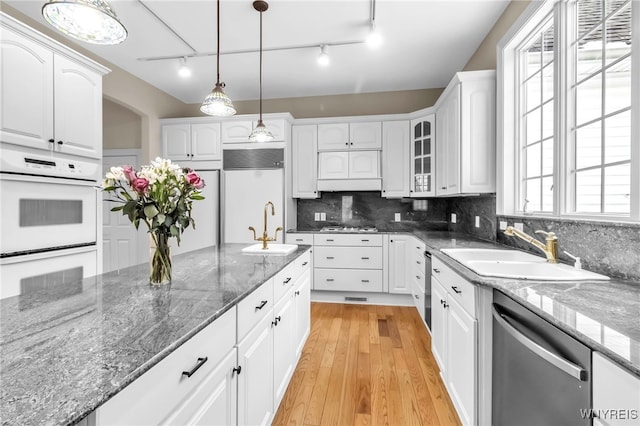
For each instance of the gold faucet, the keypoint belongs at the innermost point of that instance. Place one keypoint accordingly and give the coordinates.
(265, 238)
(551, 247)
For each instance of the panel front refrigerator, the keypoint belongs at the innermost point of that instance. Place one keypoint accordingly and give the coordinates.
(252, 178)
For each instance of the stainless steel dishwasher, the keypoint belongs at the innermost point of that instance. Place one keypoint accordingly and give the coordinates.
(541, 376)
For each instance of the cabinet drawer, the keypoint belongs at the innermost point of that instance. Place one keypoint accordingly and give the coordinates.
(283, 281)
(163, 387)
(348, 257)
(300, 239)
(418, 277)
(461, 290)
(253, 307)
(347, 240)
(348, 280)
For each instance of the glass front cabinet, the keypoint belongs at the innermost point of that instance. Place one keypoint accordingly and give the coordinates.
(423, 156)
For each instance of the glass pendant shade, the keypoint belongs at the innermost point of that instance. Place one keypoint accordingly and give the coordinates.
(260, 133)
(217, 103)
(92, 21)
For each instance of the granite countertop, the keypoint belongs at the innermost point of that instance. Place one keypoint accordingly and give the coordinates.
(604, 315)
(67, 350)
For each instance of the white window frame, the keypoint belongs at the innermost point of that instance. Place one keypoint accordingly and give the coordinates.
(507, 150)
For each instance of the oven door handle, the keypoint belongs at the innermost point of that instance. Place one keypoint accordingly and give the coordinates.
(567, 366)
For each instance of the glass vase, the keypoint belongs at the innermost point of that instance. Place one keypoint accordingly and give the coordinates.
(160, 259)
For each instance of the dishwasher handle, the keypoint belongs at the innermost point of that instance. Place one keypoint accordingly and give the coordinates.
(568, 367)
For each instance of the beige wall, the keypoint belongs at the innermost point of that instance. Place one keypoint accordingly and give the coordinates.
(398, 102)
(121, 127)
(485, 56)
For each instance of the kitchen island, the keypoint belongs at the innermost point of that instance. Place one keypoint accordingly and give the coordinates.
(67, 348)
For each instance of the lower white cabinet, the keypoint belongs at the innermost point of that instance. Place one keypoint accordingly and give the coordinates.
(454, 338)
(255, 381)
(616, 394)
(166, 395)
(302, 303)
(283, 345)
(348, 262)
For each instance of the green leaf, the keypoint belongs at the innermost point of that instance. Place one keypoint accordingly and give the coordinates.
(168, 221)
(174, 231)
(161, 218)
(129, 207)
(197, 197)
(126, 195)
(150, 211)
(117, 208)
(136, 223)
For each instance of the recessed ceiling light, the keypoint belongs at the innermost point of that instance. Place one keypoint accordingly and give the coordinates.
(323, 57)
(184, 71)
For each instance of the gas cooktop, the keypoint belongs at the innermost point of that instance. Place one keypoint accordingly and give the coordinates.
(349, 229)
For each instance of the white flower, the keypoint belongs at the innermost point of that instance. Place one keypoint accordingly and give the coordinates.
(108, 182)
(116, 173)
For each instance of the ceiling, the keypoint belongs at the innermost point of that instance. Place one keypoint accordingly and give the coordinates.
(424, 43)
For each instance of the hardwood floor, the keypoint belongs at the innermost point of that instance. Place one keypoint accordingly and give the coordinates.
(366, 365)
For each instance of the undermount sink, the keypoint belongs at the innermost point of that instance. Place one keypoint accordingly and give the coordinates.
(519, 265)
(282, 249)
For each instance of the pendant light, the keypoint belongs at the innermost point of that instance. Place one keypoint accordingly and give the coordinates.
(260, 133)
(217, 103)
(92, 21)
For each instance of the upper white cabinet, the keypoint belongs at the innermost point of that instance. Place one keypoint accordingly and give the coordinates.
(395, 159)
(465, 141)
(238, 131)
(50, 97)
(304, 156)
(186, 141)
(349, 170)
(422, 157)
(348, 136)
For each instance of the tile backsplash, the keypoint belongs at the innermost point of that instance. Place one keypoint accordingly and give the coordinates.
(612, 249)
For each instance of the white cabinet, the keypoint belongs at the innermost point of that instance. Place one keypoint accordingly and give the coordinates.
(348, 262)
(349, 170)
(454, 338)
(302, 303)
(191, 141)
(255, 381)
(48, 100)
(422, 158)
(166, 395)
(283, 345)
(395, 159)
(304, 158)
(238, 131)
(399, 274)
(616, 394)
(347, 136)
(465, 140)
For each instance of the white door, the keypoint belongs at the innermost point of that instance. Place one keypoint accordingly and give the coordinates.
(333, 165)
(121, 243)
(205, 141)
(364, 164)
(365, 135)
(439, 324)
(302, 302)
(305, 161)
(395, 159)
(283, 346)
(78, 109)
(333, 136)
(461, 361)
(26, 91)
(399, 273)
(245, 194)
(176, 141)
(255, 381)
(423, 158)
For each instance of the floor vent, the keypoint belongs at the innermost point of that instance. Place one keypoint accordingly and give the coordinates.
(355, 299)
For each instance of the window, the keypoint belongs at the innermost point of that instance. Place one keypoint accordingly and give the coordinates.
(569, 114)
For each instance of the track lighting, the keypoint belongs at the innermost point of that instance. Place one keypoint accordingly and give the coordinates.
(184, 71)
(323, 57)
(375, 38)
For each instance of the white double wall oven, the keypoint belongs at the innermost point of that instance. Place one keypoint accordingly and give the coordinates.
(48, 219)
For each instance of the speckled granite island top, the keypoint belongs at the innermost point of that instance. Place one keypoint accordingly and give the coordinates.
(66, 351)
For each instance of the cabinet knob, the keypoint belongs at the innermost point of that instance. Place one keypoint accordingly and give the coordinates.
(436, 270)
(60, 142)
(51, 141)
(454, 288)
(286, 281)
(445, 305)
(444, 187)
(262, 303)
(237, 370)
(418, 276)
(297, 293)
(346, 143)
(365, 281)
